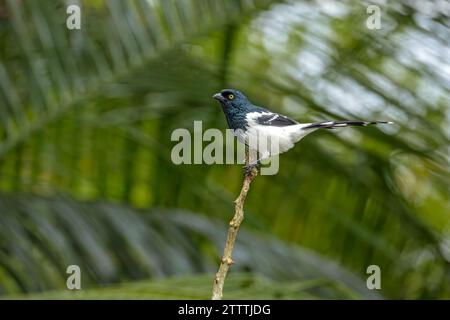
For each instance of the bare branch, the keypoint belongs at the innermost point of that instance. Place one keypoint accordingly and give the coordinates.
(235, 223)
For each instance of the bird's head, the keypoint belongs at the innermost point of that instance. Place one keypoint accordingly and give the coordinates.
(230, 98)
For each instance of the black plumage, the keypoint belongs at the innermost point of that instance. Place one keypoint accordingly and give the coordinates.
(341, 124)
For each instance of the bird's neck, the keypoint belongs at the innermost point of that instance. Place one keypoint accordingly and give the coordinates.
(236, 116)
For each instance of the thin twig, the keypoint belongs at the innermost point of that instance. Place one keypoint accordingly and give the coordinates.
(227, 261)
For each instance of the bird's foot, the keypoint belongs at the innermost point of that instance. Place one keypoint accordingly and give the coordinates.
(248, 169)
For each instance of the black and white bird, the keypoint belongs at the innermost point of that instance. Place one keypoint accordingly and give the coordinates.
(253, 123)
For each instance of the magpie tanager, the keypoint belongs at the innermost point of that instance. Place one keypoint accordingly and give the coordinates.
(249, 121)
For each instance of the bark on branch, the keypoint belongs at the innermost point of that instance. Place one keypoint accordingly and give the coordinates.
(235, 223)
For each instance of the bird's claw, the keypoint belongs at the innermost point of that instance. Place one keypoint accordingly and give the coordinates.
(248, 169)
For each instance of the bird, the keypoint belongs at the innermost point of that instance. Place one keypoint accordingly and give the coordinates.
(249, 121)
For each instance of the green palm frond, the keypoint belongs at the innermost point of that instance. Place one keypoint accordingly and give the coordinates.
(239, 286)
(111, 242)
(116, 39)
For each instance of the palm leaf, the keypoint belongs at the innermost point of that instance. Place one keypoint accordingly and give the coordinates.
(111, 242)
(239, 286)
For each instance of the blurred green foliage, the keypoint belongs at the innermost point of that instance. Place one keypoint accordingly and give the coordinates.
(85, 123)
(239, 286)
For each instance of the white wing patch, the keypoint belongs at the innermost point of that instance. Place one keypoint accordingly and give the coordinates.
(273, 118)
(270, 140)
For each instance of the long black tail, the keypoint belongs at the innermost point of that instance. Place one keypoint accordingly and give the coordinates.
(341, 124)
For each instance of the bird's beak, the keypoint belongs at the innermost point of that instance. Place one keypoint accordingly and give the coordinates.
(219, 97)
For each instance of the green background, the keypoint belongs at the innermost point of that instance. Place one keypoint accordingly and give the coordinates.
(86, 176)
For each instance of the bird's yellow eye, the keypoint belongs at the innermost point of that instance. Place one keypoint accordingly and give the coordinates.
(230, 96)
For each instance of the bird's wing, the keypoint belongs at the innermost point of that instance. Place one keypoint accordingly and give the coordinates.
(340, 124)
(268, 130)
(272, 119)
